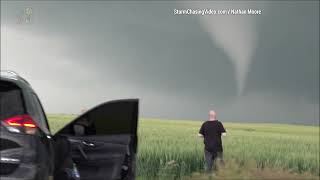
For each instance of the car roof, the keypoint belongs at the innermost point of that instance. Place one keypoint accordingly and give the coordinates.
(15, 78)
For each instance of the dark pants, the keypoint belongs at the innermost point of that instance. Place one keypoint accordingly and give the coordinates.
(211, 158)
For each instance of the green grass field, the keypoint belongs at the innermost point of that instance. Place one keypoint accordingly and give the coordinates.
(170, 149)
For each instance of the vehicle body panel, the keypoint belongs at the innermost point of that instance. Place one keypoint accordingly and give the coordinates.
(31, 156)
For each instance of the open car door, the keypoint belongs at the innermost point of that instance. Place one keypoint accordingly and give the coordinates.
(103, 140)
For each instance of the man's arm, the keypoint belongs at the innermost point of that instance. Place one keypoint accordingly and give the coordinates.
(201, 131)
(223, 130)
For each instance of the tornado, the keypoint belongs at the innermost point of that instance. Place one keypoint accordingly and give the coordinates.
(235, 34)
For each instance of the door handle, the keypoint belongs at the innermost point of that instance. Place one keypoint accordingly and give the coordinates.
(88, 144)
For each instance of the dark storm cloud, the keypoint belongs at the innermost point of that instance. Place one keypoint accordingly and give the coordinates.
(286, 59)
(105, 50)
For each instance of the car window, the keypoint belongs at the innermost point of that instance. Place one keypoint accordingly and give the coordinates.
(115, 117)
(11, 102)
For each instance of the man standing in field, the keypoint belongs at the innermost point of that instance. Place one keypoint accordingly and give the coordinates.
(212, 131)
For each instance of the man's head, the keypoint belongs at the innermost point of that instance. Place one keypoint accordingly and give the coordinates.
(212, 115)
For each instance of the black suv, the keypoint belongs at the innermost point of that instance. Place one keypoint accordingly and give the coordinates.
(100, 144)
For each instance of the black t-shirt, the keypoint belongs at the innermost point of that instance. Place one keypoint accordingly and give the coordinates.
(211, 131)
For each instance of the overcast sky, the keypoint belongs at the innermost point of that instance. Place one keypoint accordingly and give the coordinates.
(249, 68)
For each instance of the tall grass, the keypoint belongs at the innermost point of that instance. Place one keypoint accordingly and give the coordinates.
(171, 149)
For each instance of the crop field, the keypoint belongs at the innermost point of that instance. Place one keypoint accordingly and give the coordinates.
(170, 149)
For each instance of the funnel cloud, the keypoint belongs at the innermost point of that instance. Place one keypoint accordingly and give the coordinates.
(236, 34)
